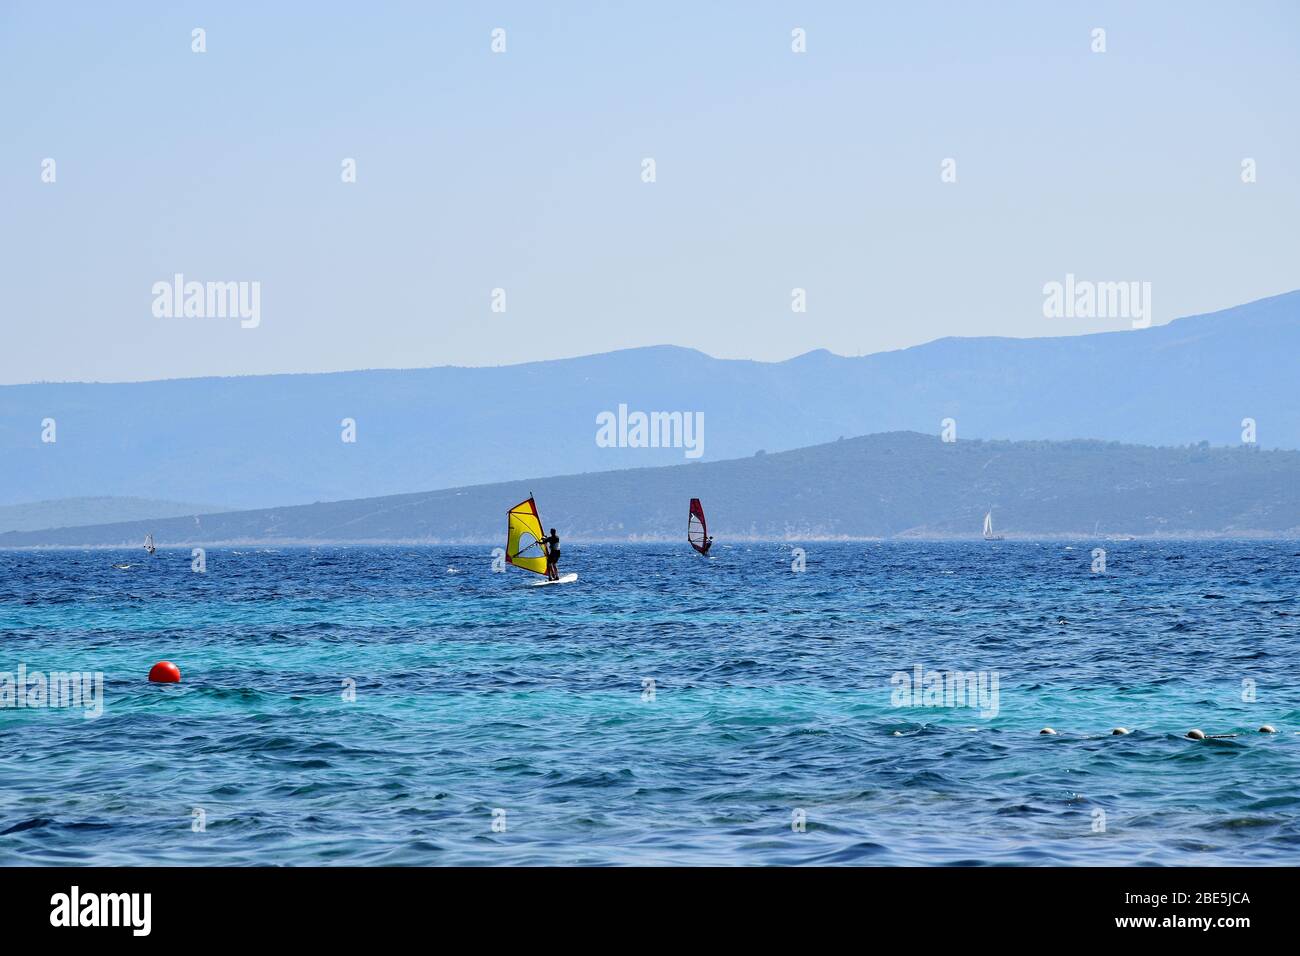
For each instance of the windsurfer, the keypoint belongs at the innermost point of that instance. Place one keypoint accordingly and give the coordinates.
(552, 555)
(697, 532)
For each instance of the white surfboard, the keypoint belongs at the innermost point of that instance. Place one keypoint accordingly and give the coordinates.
(567, 579)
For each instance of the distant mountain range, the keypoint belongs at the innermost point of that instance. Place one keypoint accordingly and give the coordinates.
(272, 440)
(891, 485)
(71, 512)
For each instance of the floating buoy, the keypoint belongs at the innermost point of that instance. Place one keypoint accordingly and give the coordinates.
(165, 672)
(1048, 730)
(1118, 731)
(1268, 729)
(1195, 734)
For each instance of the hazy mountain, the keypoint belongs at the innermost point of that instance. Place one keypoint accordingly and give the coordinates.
(70, 512)
(897, 484)
(274, 439)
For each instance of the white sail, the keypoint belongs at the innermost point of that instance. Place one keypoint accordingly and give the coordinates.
(148, 542)
(988, 524)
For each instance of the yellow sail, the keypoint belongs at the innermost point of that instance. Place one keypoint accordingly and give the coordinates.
(525, 547)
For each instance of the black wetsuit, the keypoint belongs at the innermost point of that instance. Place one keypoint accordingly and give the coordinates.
(553, 549)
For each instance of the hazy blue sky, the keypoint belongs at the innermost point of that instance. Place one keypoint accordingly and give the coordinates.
(522, 170)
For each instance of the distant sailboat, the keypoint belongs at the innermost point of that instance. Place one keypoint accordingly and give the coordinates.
(148, 543)
(1111, 537)
(697, 529)
(988, 528)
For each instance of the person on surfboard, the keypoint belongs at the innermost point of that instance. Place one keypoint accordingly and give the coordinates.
(552, 542)
(697, 531)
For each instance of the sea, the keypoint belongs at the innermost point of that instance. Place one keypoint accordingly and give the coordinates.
(772, 704)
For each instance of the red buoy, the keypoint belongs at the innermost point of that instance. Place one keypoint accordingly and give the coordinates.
(165, 672)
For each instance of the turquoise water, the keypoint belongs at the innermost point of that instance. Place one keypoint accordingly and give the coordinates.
(771, 704)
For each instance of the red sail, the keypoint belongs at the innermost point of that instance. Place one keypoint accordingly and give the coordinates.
(697, 531)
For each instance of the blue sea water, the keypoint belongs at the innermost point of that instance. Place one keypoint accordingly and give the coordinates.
(498, 723)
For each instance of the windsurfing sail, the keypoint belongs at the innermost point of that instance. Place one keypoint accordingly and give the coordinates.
(697, 529)
(525, 544)
(148, 543)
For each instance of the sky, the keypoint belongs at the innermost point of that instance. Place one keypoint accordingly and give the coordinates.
(523, 170)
